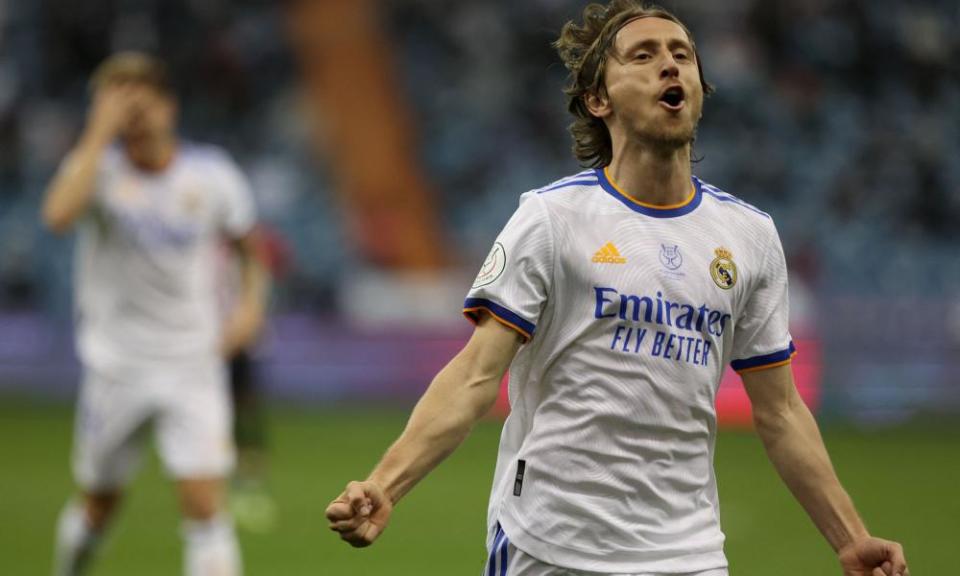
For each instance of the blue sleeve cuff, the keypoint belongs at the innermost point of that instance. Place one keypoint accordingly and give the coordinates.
(778, 358)
(472, 307)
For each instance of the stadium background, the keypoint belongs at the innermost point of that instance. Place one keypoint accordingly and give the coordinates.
(387, 143)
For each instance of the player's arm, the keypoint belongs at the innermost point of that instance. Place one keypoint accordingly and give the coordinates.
(459, 395)
(245, 320)
(69, 194)
(793, 443)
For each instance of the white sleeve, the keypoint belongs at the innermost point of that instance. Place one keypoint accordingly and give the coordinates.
(515, 279)
(238, 212)
(761, 336)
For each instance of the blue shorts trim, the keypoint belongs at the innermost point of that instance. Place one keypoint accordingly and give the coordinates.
(498, 551)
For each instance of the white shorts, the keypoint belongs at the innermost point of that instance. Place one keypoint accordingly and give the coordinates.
(188, 405)
(505, 559)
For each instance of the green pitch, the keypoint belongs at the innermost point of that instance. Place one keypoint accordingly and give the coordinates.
(905, 482)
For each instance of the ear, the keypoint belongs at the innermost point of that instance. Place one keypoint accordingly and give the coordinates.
(598, 104)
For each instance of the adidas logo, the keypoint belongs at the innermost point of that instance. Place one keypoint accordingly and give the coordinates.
(608, 255)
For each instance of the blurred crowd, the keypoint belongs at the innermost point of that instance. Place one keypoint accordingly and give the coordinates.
(838, 117)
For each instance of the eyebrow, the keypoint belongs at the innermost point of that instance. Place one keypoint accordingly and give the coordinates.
(650, 43)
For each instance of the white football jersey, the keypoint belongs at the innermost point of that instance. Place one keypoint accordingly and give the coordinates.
(630, 312)
(147, 257)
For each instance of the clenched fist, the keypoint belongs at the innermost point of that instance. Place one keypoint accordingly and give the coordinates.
(360, 514)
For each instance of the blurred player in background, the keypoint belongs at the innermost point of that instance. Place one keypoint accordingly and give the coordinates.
(616, 297)
(251, 504)
(151, 212)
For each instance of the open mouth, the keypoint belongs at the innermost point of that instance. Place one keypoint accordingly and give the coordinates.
(672, 98)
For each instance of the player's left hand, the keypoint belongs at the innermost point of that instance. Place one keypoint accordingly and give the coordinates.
(242, 329)
(873, 557)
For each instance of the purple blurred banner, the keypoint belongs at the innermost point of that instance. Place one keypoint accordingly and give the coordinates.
(302, 358)
(307, 358)
(886, 359)
(874, 361)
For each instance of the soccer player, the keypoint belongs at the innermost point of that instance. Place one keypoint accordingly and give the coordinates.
(616, 296)
(251, 505)
(151, 212)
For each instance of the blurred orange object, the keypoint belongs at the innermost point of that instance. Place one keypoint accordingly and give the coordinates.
(363, 129)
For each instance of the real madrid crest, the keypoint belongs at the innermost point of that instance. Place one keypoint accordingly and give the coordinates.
(191, 201)
(723, 270)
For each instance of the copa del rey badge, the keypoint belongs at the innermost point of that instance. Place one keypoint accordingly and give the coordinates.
(492, 267)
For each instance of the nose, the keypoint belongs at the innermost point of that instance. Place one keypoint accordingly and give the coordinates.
(670, 69)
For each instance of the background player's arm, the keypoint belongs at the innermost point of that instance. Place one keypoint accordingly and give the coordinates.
(459, 395)
(72, 189)
(793, 443)
(246, 319)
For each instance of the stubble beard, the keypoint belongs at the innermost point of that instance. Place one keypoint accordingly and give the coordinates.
(668, 139)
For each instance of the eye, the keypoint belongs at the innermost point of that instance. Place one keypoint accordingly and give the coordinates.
(681, 56)
(642, 56)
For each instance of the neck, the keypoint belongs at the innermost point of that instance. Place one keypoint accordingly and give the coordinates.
(151, 154)
(652, 175)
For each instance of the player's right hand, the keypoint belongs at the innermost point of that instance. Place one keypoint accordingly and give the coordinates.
(111, 109)
(360, 514)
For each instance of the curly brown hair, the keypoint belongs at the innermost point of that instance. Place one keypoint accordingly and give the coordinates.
(584, 49)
